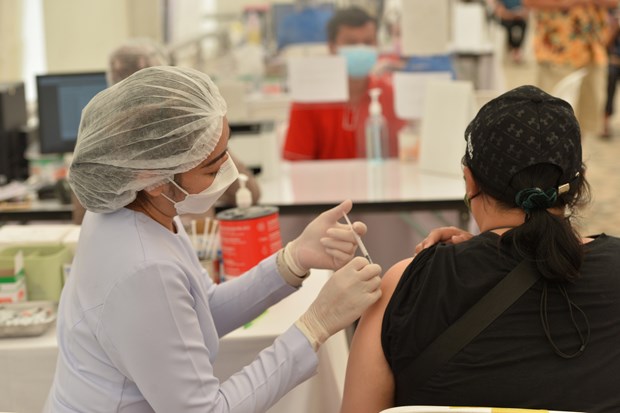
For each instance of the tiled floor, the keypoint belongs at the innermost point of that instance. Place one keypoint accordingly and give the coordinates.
(602, 158)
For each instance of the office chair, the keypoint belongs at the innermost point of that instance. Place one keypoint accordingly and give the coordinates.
(568, 87)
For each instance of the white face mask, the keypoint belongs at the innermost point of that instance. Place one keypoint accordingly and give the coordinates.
(203, 201)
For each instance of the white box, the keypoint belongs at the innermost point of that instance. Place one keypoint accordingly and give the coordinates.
(13, 282)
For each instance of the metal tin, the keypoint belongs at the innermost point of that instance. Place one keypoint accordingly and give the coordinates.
(247, 236)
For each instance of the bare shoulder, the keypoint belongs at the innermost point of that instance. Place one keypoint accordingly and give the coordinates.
(393, 275)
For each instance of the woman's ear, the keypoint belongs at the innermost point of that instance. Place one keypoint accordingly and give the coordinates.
(155, 192)
(471, 186)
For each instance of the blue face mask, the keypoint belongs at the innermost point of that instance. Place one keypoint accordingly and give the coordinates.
(360, 59)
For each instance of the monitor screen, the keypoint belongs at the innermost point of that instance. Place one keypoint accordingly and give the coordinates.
(61, 98)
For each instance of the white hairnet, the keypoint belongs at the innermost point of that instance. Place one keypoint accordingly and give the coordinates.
(137, 134)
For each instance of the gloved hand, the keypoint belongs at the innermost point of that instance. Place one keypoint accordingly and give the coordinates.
(342, 300)
(324, 243)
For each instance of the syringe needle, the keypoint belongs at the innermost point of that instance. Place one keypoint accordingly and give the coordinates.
(358, 240)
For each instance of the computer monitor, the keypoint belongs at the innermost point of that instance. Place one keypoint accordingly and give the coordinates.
(61, 98)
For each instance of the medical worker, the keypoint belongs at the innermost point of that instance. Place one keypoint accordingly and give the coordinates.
(139, 320)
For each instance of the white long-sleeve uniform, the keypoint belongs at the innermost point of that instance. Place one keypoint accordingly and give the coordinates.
(139, 323)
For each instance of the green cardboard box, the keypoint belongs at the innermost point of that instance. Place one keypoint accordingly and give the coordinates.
(43, 265)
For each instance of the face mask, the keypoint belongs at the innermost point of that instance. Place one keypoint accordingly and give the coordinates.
(203, 201)
(360, 59)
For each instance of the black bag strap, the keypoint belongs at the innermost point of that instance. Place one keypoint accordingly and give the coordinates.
(473, 322)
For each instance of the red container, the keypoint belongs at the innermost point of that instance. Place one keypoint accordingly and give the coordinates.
(247, 236)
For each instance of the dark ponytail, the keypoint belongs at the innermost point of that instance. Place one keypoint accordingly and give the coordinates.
(546, 238)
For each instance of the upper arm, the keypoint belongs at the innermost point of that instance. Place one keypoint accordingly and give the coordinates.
(369, 384)
(162, 337)
(153, 335)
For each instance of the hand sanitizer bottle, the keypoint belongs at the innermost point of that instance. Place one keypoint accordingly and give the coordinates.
(376, 129)
(243, 196)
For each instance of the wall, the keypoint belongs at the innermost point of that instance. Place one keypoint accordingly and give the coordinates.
(145, 19)
(236, 6)
(185, 19)
(80, 34)
(10, 40)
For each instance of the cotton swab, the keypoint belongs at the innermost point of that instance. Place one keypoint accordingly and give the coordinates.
(194, 235)
(214, 242)
(205, 236)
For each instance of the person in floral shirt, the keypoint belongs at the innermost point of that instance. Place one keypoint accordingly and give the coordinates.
(569, 35)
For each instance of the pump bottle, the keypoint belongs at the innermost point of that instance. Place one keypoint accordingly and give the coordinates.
(376, 129)
(243, 196)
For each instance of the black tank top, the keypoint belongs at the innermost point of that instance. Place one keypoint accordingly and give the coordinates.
(511, 363)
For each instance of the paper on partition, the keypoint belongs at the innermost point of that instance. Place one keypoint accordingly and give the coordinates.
(470, 30)
(318, 79)
(448, 109)
(410, 91)
(425, 27)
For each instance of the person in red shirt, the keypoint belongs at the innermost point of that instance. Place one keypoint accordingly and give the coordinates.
(336, 130)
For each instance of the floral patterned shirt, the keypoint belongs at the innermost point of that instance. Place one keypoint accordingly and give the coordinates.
(574, 36)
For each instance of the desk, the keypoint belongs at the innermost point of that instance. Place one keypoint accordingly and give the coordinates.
(391, 185)
(310, 187)
(48, 210)
(27, 365)
(398, 202)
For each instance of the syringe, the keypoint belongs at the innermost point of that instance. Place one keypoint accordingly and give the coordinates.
(358, 240)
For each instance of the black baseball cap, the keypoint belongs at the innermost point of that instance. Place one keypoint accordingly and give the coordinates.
(520, 128)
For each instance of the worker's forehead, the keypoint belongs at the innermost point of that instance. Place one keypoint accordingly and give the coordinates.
(365, 33)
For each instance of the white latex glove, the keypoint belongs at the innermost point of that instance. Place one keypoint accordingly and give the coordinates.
(325, 242)
(342, 300)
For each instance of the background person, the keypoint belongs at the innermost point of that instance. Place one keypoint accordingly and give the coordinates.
(523, 173)
(336, 130)
(139, 319)
(613, 70)
(513, 17)
(133, 55)
(139, 53)
(569, 35)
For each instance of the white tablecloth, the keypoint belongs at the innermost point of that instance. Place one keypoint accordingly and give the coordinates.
(27, 365)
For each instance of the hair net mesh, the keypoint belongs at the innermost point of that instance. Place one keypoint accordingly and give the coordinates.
(142, 131)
